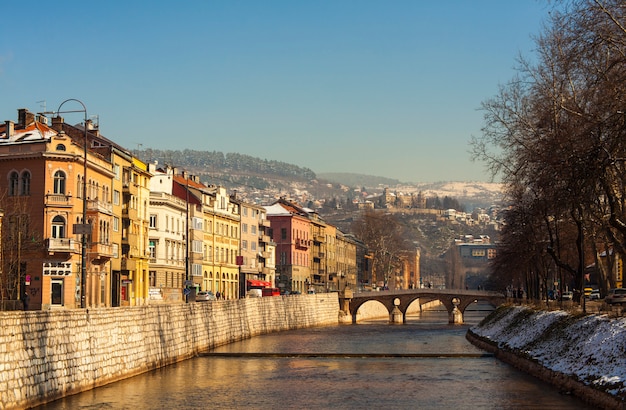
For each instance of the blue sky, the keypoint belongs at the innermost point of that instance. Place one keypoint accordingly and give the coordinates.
(386, 88)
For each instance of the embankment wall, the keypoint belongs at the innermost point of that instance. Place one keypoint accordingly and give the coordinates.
(45, 355)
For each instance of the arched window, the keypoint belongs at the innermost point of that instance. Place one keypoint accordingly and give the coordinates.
(58, 227)
(25, 188)
(60, 147)
(13, 183)
(59, 182)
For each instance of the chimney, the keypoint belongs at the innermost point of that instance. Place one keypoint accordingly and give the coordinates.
(25, 117)
(10, 129)
(57, 123)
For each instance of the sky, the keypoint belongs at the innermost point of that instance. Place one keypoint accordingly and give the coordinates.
(383, 88)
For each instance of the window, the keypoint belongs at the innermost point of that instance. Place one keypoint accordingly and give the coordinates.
(13, 183)
(153, 221)
(59, 182)
(244, 228)
(253, 246)
(116, 197)
(283, 233)
(25, 188)
(244, 245)
(253, 229)
(197, 223)
(116, 224)
(197, 246)
(58, 227)
(196, 269)
(60, 147)
(152, 249)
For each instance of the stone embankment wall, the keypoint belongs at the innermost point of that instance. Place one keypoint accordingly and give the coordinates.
(578, 354)
(45, 355)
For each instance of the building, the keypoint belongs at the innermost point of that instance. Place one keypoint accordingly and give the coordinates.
(44, 199)
(222, 236)
(166, 241)
(290, 230)
(257, 258)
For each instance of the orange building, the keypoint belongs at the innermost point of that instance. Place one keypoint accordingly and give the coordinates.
(43, 200)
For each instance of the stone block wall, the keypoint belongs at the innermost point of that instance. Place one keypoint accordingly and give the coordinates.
(45, 355)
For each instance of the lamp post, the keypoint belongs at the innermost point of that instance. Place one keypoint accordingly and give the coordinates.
(83, 228)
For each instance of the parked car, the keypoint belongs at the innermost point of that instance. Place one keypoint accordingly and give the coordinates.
(568, 295)
(594, 295)
(616, 296)
(204, 296)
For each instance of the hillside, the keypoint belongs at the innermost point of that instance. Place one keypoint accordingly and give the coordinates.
(254, 177)
(358, 180)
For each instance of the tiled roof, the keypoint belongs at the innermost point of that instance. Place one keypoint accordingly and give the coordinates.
(34, 132)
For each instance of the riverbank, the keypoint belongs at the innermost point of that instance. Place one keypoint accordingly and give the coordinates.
(584, 355)
(46, 355)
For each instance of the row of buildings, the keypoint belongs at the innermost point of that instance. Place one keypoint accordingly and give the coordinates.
(88, 224)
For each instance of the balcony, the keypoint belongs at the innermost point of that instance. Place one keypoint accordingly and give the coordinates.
(319, 238)
(130, 188)
(128, 264)
(264, 223)
(62, 245)
(265, 238)
(129, 239)
(129, 213)
(302, 244)
(95, 205)
(266, 271)
(58, 200)
(102, 250)
(265, 254)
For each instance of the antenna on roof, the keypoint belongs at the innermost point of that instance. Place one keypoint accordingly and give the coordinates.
(42, 105)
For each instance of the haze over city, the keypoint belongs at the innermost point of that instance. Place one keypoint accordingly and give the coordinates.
(388, 89)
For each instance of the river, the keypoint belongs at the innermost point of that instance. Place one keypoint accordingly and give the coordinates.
(424, 364)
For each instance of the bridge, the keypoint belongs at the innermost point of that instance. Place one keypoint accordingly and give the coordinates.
(398, 301)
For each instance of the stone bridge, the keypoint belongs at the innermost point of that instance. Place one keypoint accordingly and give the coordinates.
(398, 301)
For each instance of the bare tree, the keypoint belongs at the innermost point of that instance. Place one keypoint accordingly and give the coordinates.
(556, 133)
(382, 234)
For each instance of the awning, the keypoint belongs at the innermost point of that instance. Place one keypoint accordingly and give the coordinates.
(259, 283)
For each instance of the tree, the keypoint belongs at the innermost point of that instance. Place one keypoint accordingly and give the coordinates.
(383, 236)
(556, 135)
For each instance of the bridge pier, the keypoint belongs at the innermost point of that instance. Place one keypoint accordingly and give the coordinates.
(455, 317)
(345, 316)
(396, 316)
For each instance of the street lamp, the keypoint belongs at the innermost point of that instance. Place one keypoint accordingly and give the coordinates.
(83, 228)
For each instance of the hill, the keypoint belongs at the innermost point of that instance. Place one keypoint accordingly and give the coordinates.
(358, 180)
(255, 178)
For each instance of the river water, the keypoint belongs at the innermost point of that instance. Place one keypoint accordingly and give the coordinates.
(424, 364)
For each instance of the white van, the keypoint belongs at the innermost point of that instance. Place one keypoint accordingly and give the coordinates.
(254, 293)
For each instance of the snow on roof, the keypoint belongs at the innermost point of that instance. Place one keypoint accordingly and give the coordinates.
(34, 132)
(276, 210)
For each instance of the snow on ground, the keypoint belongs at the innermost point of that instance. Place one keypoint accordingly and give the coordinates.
(591, 348)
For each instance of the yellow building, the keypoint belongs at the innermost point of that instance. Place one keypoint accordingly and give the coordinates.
(222, 235)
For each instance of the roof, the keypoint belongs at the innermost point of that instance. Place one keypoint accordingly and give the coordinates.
(276, 210)
(36, 131)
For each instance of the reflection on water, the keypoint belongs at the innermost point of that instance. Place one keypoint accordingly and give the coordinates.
(345, 383)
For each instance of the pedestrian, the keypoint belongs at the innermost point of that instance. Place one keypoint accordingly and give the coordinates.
(25, 301)
(218, 295)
